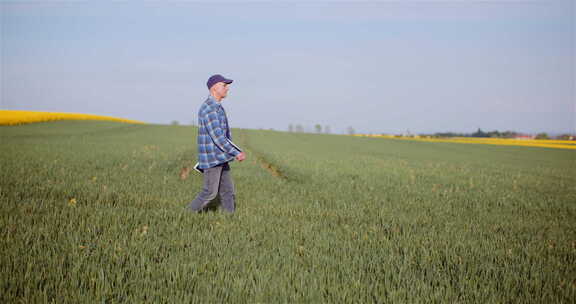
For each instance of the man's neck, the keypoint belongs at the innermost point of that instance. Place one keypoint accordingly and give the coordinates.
(218, 99)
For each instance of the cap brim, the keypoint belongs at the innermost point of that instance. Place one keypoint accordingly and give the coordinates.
(228, 81)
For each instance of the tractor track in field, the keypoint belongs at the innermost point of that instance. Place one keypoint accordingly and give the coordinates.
(261, 160)
(258, 158)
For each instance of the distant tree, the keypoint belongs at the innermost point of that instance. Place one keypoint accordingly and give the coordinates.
(318, 128)
(479, 133)
(290, 128)
(351, 131)
(565, 137)
(299, 128)
(494, 134)
(327, 129)
(508, 134)
(542, 136)
(447, 134)
(175, 123)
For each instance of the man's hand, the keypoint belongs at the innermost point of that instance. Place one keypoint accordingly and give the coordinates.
(241, 156)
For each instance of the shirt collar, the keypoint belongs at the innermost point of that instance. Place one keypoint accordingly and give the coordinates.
(211, 101)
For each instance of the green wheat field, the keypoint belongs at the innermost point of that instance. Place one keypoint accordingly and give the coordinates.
(95, 212)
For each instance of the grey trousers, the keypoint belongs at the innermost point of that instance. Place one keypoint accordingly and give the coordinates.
(217, 180)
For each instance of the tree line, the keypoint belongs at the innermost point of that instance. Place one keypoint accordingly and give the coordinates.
(318, 128)
(498, 134)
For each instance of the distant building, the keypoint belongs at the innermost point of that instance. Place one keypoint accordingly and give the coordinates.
(524, 136)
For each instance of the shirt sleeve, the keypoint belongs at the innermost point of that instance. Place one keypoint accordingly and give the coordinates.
(214, 129)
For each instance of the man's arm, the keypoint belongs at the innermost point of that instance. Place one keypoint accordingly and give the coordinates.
(218, 135)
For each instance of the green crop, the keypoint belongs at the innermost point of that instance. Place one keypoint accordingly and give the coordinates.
(95, 212)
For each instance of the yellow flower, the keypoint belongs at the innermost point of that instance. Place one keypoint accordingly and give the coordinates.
(545, 143)
(16, 117)
(144, 230)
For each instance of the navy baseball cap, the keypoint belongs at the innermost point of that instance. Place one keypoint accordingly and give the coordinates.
(214, 79)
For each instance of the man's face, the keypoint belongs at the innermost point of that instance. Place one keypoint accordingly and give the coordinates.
(221, 89)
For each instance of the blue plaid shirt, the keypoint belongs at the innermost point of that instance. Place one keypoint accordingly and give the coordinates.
(215, 145)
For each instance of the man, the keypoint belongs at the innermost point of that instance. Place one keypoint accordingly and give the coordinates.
(215, 149)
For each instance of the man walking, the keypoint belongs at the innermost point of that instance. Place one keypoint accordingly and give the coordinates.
(215, 149)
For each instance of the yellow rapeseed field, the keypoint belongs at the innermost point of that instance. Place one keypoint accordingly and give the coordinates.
(17, 117)
(546, 143)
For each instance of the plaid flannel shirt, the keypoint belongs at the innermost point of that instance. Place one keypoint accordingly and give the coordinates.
(215, 145)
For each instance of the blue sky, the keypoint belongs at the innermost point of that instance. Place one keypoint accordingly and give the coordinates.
(380, 67)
